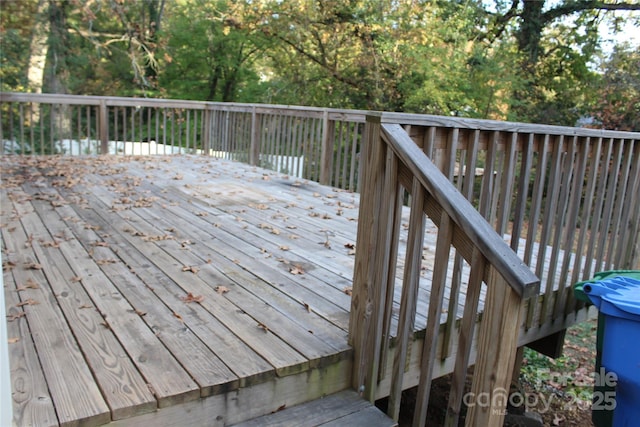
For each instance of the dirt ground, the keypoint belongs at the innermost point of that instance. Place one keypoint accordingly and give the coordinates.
(559, 390)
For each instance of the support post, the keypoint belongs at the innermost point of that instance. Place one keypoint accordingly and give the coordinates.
(206, 131)
(365, 323)
(254, 150)
(103, 129)
(497, 350)
(326, 155)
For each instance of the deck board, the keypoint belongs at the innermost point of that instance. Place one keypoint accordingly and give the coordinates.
(180, 286)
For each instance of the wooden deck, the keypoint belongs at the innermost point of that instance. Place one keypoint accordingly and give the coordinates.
(138, 284)
(172, 290)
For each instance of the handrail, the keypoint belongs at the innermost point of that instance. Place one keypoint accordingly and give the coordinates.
(392, 164)
(334, 113)
(475, 227)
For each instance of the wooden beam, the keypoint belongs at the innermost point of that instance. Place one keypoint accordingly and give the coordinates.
(497, 347)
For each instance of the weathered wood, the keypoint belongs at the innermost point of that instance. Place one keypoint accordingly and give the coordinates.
(497, 347)
(445, 237)
(464, 216)
(32, 402)
(409, 299)
(125, 391)
(62, 361)
(340, 409)
(369, 277)
(465, 340)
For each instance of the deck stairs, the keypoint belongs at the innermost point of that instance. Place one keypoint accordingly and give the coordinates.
(345, 408)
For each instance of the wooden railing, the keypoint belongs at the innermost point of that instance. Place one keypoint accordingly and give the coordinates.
(564, 199)
(393, 164)
(311, 143)
(567, 200)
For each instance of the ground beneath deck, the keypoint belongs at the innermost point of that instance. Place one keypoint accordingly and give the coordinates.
(133, 284)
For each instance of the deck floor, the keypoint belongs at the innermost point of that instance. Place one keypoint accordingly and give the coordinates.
(138, 283)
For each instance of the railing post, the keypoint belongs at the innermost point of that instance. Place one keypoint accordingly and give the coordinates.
(371, 268)
(206, 131)
(254, 150)
(497, 350)
(103, 127)
(326, 156)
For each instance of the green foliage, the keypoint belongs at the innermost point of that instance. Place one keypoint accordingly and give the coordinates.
(505, 60)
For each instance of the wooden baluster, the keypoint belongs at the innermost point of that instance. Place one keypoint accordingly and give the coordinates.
(497, 347)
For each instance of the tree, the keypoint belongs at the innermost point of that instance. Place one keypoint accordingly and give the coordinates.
(211, 48)
(617, 103)
(557, 42)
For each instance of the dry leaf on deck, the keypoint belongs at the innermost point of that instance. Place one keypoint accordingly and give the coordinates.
(263, 327)
(221, 289)
(191, 268)
(13, 340)
(192, 298)
(27, 302)
(18, 315)
(33, 266)
(348, 290)
(296, 269)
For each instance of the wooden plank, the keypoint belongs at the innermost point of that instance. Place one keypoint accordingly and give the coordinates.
(603, 165)
(465, 340)
(408, 303)
(445, 237)
(217, 337)
(170, 383)
(211, 375)
(124, 390)
(68, 377)
(589, 189)
(370, 416)
(564, 304)
(30, 397)
(550, 207)
(497, 346)
(344, 408)
(278, 353)
(250, 402)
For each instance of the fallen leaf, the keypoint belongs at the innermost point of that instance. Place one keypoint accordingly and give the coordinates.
(16, 316)
(83, 306)
(191, 268)
(13, 340)
(31, 284)
(284, 248)
(221, 289)
(177, 316)
(27, 302)
(33, 266)
(141, 313)
(349, 245)
(192, 298)
(263, 327)
(307, 307)
(75, 279)
(348, 290)
(296, 269)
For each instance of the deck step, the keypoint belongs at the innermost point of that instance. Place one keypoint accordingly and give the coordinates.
(345, 408)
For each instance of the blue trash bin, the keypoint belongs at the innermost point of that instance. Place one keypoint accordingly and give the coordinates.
(618, 299)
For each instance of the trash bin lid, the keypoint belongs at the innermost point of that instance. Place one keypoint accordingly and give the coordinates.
(621, 292)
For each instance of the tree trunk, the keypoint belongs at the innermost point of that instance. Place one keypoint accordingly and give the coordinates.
(38, 48)
(57, 70)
